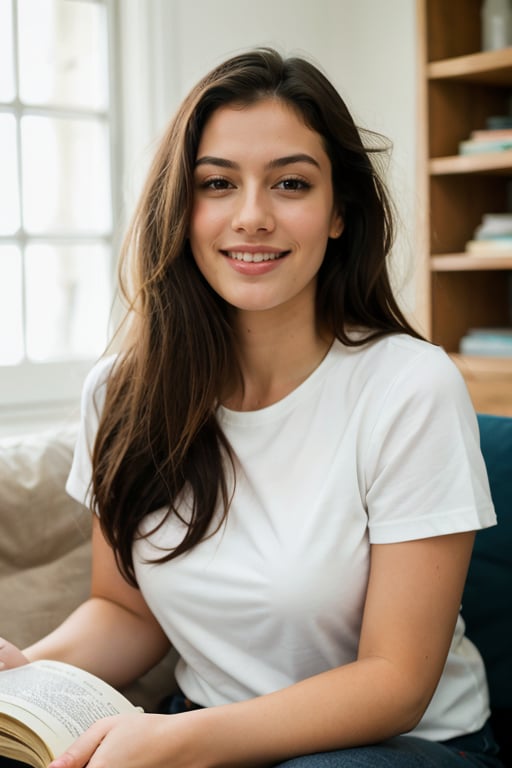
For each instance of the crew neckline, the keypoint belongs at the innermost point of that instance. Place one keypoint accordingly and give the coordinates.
(289, 401)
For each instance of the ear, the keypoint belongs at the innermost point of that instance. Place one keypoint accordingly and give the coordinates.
(337, 225)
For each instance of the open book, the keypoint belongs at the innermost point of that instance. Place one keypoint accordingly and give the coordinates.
(46, 705)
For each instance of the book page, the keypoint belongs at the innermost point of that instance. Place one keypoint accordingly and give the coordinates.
(16, 743)
(58, 701)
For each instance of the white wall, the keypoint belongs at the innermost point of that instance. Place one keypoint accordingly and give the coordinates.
(366, 47)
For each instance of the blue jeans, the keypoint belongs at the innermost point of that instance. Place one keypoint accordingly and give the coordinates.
(476, 750)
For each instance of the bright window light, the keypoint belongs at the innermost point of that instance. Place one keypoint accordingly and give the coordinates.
(56, 217)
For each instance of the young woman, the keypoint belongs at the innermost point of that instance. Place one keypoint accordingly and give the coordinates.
(286, 478)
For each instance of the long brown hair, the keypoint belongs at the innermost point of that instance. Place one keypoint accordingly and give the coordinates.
(158, 435)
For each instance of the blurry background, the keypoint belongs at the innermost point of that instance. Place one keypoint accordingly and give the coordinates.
(86, 88)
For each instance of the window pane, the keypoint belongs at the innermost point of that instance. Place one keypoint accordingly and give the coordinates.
(6, 52)
(62, 47)
(66, 175)
(11, 309)
(9, 208)
(68, 301)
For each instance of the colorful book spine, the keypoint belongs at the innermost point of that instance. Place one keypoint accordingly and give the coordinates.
(487, 342)
(471, 147)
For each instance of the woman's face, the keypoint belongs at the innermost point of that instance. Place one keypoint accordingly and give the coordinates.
(263, 206)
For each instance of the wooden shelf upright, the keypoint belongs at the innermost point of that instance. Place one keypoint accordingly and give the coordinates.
(460, 87)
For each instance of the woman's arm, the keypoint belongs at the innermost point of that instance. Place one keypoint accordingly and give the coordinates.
(412, 604)
(113, 634)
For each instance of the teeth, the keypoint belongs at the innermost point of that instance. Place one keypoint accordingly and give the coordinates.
(253, 257)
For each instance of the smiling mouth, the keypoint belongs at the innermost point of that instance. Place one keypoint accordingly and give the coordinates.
(254, 258)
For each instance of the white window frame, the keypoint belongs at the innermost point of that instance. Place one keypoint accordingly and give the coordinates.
(145, 88)
(33, 392)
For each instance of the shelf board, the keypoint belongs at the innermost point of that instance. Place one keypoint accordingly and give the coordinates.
(494, 163)
(482, 367)
(489, 381)
(458, 262)
(489, 67)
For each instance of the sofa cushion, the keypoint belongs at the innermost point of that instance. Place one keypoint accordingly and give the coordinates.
(45, 550)
(45, 541)
(487, 599)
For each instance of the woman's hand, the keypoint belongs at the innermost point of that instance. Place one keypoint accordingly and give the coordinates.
(134, 741)
(10, 655)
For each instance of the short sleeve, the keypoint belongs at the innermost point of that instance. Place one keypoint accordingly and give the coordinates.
(78, 484)
(426, 475)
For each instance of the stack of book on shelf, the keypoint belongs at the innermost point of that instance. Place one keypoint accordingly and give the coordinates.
(496, 137)
(489, 342)
(493, 237)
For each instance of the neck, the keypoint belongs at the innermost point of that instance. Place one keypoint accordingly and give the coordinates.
(277, 351)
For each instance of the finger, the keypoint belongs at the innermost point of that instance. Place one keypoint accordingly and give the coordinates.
(10, 655)
(81, 751)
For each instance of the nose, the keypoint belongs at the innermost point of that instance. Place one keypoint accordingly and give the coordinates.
(253, 212)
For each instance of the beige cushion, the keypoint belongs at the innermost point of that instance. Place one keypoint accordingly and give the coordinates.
(45, 540)
(45, 548)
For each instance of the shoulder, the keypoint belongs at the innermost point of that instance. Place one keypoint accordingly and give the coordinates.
(397, 350)
(93, 398)
(418, 388)
(407, 361)
(399, 385)
(94, 387)
(402, 364)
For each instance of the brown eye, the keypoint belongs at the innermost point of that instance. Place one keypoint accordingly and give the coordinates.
(217, 184)
(293, 185)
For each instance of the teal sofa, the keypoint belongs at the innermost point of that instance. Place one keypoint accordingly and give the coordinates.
(487, 599)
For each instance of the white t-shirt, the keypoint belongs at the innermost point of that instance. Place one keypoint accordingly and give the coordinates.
(380, 444)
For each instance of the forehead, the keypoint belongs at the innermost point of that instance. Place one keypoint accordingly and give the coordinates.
(267, 126)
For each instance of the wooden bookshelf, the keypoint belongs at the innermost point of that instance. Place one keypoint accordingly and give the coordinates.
(456, 262)
(460, 87)
(488, 67)
(492, 163)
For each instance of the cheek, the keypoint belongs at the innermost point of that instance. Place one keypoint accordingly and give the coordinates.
(196, 225)
(205, 222)
(203, 233)
(309, 221)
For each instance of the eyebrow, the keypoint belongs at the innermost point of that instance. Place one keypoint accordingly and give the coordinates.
(279, 162)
